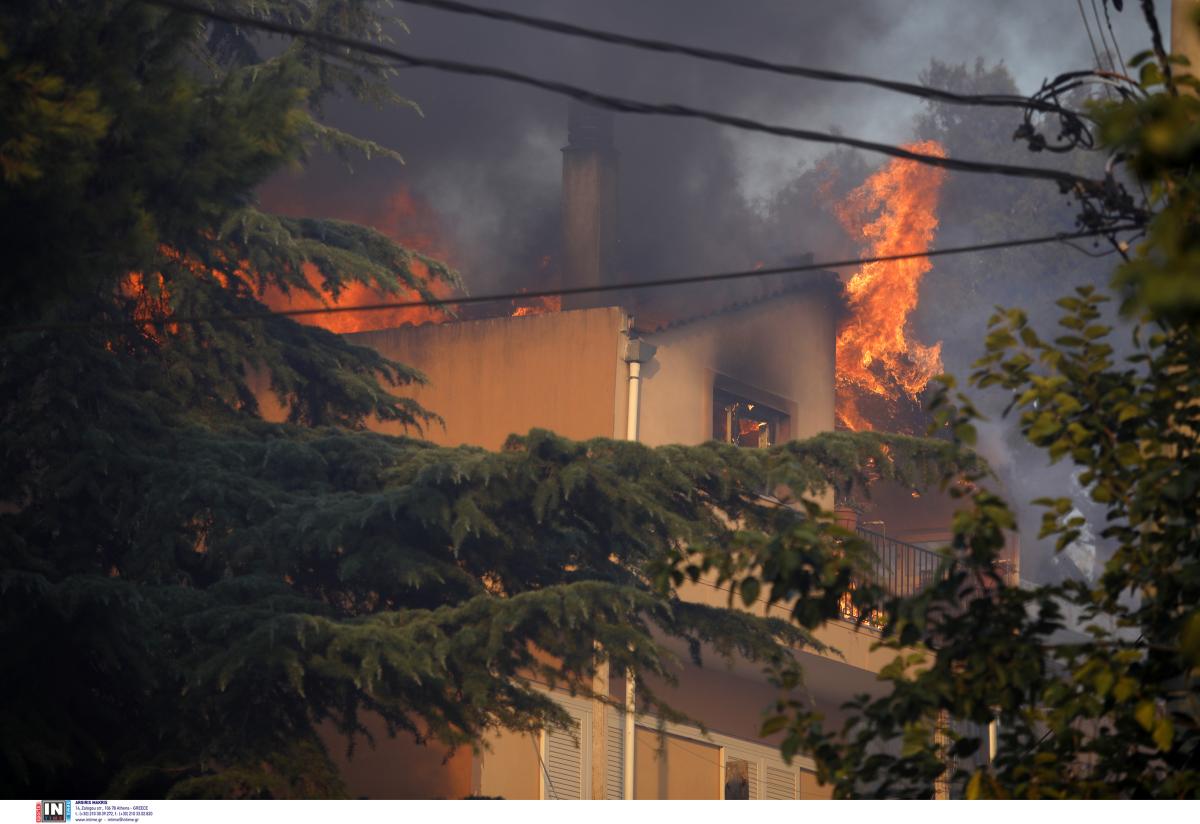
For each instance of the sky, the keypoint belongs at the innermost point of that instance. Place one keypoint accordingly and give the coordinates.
(485, 154)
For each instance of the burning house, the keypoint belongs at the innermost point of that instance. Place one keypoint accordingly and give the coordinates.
(753, 365)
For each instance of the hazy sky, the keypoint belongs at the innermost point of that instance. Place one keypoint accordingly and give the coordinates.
(486, 154)
(888, 38)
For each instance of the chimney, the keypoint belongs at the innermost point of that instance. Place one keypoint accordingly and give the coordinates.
(589, 204)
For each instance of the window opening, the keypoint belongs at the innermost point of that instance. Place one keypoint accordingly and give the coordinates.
(744, 422)
(737, 779)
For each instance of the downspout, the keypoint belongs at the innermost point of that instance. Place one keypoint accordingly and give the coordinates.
(628, 741)
(637, 352)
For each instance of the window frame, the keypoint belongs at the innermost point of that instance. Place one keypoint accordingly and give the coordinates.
(780, 408)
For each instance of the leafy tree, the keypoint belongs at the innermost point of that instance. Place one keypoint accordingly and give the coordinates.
(187, 589)
(1106, 704)
(956, 292)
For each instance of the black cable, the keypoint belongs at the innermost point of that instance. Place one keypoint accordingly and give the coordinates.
(1088, 29)
(732, 59)
(572, 290)
(538, 751)
(1084, 251)
(1113, 34)
(1103, 38)
(1066, 180)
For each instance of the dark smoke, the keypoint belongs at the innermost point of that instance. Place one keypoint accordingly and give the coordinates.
(693, 196)
(697, 198)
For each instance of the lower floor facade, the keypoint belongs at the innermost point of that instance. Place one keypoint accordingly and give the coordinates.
(670, 761)
(606, 752)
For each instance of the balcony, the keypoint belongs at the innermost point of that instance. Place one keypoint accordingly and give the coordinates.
(901, 568)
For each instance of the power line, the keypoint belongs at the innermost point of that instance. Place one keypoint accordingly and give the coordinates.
(732, 59)
(1113, 34)
(1087, 27)
(1066, 180)
(571, 290)
(1108, 55)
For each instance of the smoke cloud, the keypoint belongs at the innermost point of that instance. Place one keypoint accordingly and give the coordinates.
(695, 198)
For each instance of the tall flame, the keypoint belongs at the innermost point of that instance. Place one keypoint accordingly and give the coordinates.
(409, 222)
(894, 211)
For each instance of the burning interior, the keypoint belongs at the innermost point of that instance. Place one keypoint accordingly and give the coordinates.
(743, 422)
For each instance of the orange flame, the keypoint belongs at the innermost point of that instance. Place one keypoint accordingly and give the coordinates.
(894, 212)
(152, 297)
(359, 294)
(406, 220)
(540, 305)
(750, 427)
(152, 303)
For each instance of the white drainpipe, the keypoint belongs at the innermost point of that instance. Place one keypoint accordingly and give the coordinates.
(629, 740)
(635, 399)
(637, 352)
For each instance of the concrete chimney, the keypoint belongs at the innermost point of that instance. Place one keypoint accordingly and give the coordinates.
(589, 204)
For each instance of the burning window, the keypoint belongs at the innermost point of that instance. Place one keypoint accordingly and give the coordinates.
(745, 422)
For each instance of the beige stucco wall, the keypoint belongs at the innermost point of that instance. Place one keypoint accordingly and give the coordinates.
(811, 789)
(398, 768)
(783, 348)
(492, 378)
(731, 697)
(730, 701)
(509, 766)
(676, 768)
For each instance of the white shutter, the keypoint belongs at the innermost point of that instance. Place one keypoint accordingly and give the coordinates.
(781, 783)
(614, 754)
(566, 754)
(564, 763)
(753, 774)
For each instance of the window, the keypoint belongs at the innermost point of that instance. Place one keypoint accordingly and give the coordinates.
(737, 779)
(565, 758)
(744, 422)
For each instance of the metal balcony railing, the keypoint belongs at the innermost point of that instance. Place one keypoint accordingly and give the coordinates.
(901, 568)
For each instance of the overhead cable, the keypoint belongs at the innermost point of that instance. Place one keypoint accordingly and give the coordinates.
(1108, 52)
(566, 291)
(1066, 180)
(1087, 27)
(732, 59)
(1113, 35)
